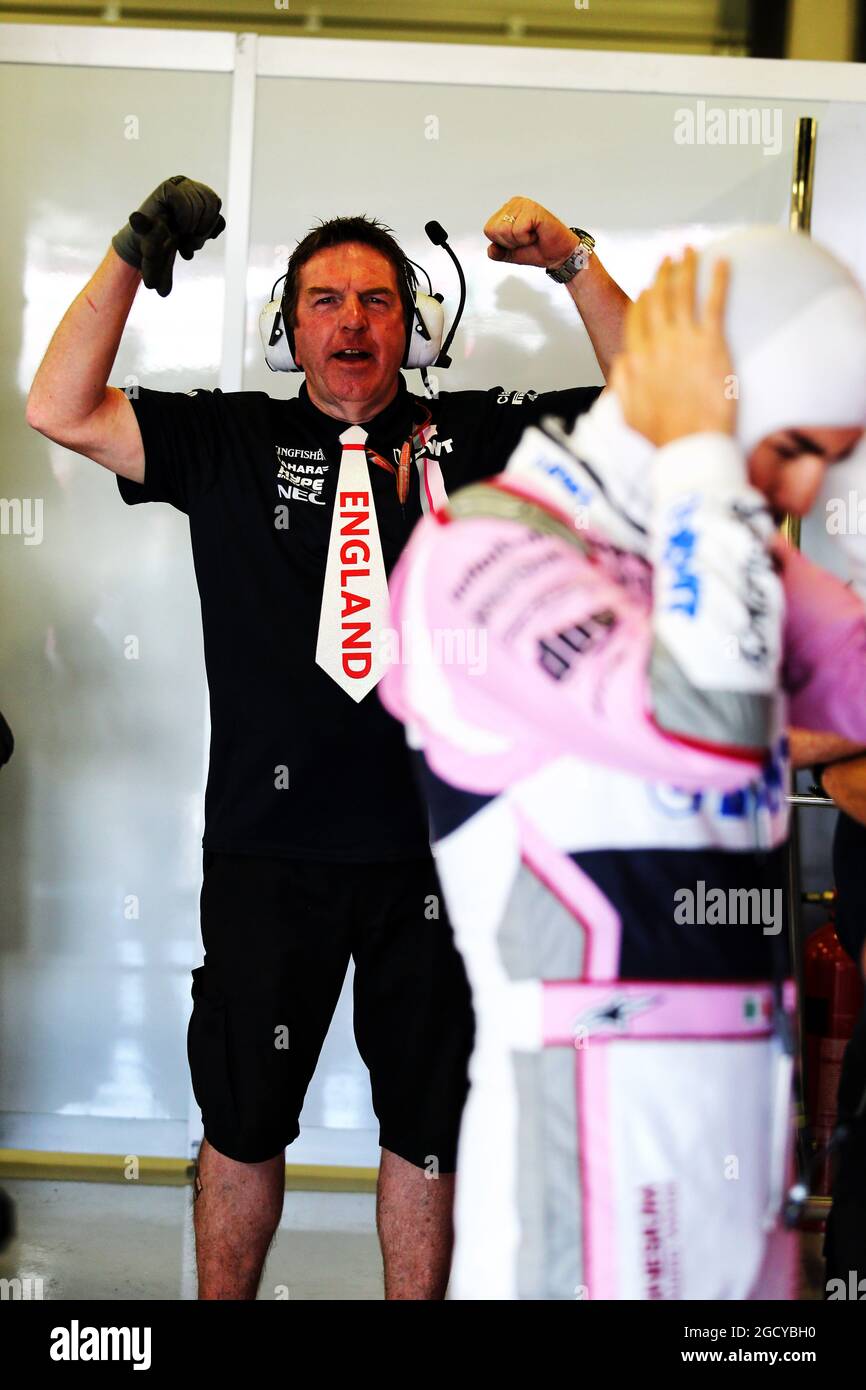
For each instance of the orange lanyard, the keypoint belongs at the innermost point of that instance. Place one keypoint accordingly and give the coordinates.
(402, 469)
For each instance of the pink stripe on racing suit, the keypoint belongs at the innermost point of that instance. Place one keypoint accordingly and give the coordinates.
(600, 735)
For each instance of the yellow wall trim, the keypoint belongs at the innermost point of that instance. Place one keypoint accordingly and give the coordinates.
(165, 1172)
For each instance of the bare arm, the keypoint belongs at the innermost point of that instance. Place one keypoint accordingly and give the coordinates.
(523, 232)
(846, 783)
(809, 747)
(70, 400)
(602, 305)
(845, 779)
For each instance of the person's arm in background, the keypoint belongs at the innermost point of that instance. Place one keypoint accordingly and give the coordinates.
(845, 782)
(842, 771)
(602, 306)
(810, 747)
(523, 232)
(70, 400)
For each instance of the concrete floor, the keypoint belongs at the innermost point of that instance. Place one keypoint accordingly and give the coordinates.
(107, 1241)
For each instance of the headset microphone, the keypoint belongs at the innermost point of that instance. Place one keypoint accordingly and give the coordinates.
(439, 237)
(424, 345)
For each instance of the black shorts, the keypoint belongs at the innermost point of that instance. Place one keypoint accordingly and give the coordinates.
(278, 935)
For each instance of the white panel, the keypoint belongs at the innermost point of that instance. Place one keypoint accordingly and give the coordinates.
(103, 796)
(606, 161)
(838, 220)
(237, 200)
(487, 65)
(102, 801)
(163, 50)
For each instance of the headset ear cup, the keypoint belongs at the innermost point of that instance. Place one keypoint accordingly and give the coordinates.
(424, 348)
(277, 342)
(290, 340)
(409, 316)
(409, 324)
(290, 336)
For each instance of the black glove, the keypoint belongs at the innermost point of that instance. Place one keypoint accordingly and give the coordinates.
(180, 215)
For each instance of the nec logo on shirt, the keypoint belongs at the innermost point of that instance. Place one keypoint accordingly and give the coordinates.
(297, 480)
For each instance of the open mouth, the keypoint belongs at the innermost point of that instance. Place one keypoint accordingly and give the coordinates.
(353, 355)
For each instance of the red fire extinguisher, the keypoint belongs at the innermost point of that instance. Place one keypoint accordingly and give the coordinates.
(832, 998)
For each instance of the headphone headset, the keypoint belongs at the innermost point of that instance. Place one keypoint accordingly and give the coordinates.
(424, 326)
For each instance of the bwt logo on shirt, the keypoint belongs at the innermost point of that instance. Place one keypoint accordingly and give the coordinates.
(427, 443)
(681, 544)
(75, 1343)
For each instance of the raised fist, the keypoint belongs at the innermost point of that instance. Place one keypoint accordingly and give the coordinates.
(180, 215)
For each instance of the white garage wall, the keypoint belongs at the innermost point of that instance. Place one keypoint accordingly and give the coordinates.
(101, 805)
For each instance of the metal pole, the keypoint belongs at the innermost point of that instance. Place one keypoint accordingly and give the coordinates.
(803, 182)
(800, 220)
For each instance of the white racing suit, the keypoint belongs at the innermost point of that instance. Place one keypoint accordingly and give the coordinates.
(600, 737)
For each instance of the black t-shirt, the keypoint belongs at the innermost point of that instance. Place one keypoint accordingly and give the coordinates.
(297, 767)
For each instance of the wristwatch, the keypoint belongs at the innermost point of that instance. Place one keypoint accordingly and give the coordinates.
(577, 261)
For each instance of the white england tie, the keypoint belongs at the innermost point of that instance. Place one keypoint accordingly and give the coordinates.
(355, 608)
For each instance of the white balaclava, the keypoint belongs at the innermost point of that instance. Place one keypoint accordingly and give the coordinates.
(795, 325)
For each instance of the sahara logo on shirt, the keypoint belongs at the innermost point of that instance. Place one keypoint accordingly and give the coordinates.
(297, 480)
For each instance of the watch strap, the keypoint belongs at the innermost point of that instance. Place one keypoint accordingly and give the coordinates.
(577, 261)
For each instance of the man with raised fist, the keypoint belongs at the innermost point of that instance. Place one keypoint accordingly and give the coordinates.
(316, 847)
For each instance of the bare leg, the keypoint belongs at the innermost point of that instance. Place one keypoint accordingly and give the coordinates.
(236, 1211)
(416, 1231)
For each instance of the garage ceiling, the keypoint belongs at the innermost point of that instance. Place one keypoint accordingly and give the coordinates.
(661, 26)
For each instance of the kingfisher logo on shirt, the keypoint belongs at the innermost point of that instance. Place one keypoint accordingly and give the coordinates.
(300, 480)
